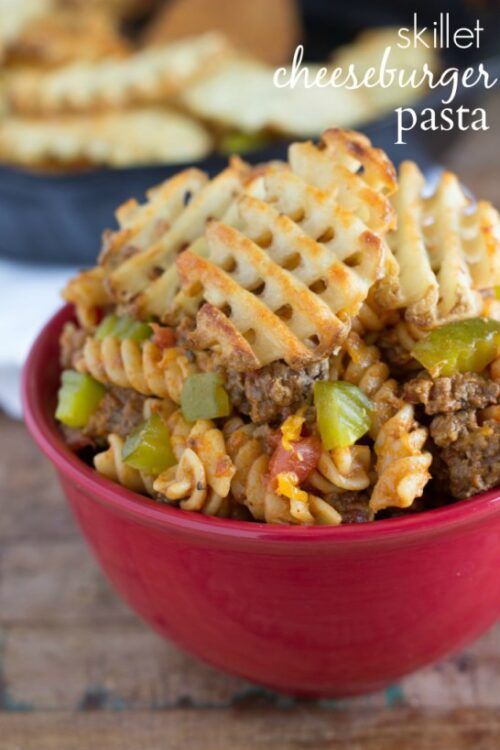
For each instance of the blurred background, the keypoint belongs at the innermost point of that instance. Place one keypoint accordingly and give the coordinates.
(101, 99)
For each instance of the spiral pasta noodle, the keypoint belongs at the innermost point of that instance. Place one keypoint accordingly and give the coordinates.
(402, 465)
(201, 480)
(109, 463)
(88, 293)
(250, 483)
(343, 468)
(495, 369)
(371, 318)
(365, 369)
(142, 366)
(251, 486)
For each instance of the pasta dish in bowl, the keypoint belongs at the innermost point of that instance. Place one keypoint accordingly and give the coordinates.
(288, 346)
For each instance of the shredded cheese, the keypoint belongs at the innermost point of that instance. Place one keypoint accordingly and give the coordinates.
(291, 429)
(286, 485)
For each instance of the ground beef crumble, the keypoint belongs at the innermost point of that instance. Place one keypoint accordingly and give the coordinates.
(120, 411)
(352, 506)
(275, 391)
(448, 394)
(466, 450)
(469, 453)
(71, 345)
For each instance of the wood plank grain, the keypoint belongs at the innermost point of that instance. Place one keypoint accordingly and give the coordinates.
(67, 642)
(251, 729)
(31, 501)
(54, 581)
(68, 667)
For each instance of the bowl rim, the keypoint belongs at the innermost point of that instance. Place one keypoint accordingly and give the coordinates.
(44, 430)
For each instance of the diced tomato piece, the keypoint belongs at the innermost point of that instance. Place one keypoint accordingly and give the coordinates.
(302, 459)
(163, 337)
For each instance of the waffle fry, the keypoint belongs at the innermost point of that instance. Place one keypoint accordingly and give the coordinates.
(16, 16)
(279, 316)
(150, 271)
(316, 255)
(146, 77)
(334, 165)
(284, 257)
(447, 249)
(367, 50)
(240, 93)
(64, 35)
(115, 139)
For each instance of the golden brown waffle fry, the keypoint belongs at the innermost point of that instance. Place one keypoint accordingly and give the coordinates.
(148, 272)
(87, 291)
(316, 256)
(447, 249)
(240, 93)
(16, 16)
(280, 317)
(304, 260)
(117, 139)
(367, 50)
(62, 36)
(140, 226)
(148, 76)
(334, 165)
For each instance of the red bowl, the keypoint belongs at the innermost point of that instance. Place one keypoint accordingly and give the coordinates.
(310, 611)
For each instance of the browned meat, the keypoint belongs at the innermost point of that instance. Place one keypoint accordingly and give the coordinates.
(352, 506)
(447, 394)
(275, 391)
(71, 345)
(397, 356)
(469, 455)
(446, 429)
(120, 411)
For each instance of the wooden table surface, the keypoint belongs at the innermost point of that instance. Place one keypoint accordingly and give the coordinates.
(78, 670)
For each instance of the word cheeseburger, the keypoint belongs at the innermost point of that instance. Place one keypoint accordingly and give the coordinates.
(440, 36)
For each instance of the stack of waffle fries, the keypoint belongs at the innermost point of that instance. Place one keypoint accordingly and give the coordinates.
(75, 92)
(304, 342)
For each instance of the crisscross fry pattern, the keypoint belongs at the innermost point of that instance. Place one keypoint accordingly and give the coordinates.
(288, 279)
(148, 275)
(447, 249)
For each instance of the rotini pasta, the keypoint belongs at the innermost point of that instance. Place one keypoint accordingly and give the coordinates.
(345, 468)
(88, 293)
(142, 366)
(202, 478)
(110, 464)
(402, 465)
(366, 369)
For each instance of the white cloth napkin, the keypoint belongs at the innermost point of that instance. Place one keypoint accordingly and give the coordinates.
(29, 295)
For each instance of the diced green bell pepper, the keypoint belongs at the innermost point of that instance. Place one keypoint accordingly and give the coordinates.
(204, 397)
(148, 448)
(343, 413)
(461, 346)
(123, 327)
(78, 398)
(240, 143)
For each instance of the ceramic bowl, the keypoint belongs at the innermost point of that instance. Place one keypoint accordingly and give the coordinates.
(313, 611)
